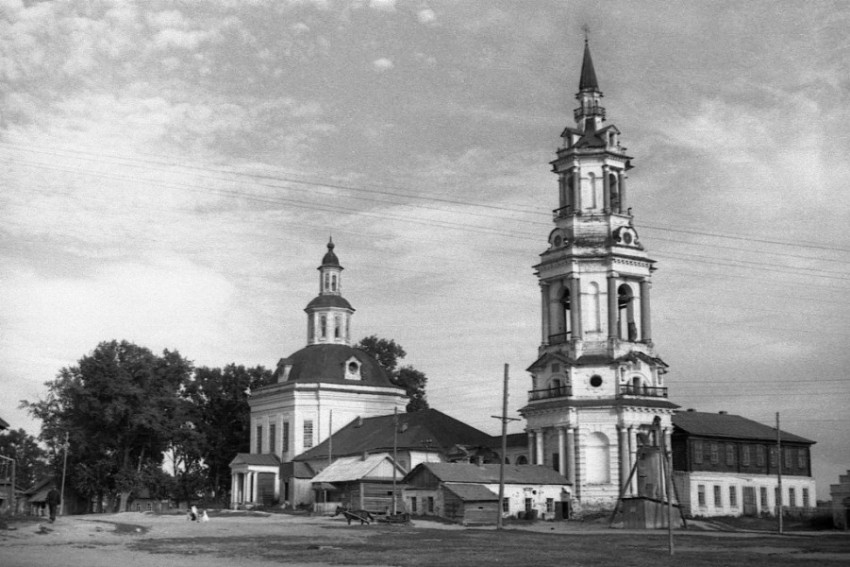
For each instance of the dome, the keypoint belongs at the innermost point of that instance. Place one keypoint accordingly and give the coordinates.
(322, 301)
(327, 363)
(330, 259)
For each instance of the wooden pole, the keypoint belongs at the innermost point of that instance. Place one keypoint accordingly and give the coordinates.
(504, 450)
(779, 473)
(668, 487)
(64, 468)
(395, 453)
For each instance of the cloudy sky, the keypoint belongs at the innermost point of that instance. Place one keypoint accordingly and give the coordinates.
(170, 173)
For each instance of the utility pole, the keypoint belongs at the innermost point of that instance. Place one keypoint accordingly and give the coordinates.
(779, 473)
(395, 453)
(504, 419)
(668, 487)
(64, 468)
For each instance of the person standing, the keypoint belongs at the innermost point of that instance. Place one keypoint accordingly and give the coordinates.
(53, 500)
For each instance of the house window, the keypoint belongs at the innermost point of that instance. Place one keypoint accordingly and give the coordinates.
(806, 502)
(697, 452)
(308, 433)
(777, 496)
(259, 439)
(413, 504)
(788, 459)
(701, 494)
(272, 438)
(550, 504)
(733, 496)
(506, 504)
(285, 433)
(745, 455)
(760, 455)
(763, 494)
(430, 504)
(718, 497)
(801, 459)
(715, 454)
(730, 454)
(792, 497)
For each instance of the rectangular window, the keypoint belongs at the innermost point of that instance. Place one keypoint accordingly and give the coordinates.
(718, 497)
(745, 455)
(760, 455)
(730, 454)
(733, 496)
(792, 497)
(697, 446)
(763, 494)
(308, 433)
(413, 504)
(430, 504)
(777, 496)
(506, 504)
(801, 459)
(285, 434)
(806, 502)
(259, 439)
(273, 438)
(556, 461)
(715, 454)
(701, 494)
(550, 504)
(788, 457)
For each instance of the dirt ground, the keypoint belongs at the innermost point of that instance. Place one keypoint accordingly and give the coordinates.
(146, 540)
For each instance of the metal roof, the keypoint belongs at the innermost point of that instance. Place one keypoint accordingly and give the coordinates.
(729, 426)
(325, 363)
(489, 473)
(471, 492)
(348, 469)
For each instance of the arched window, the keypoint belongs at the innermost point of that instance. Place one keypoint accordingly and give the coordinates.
(327, 280)
(337, 327)
(598, 459)
(522, 460)
(614, 188)
(565, 320)
(595, 313)
(627, 330)
(333, 282)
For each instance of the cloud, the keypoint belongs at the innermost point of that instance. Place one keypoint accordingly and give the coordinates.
(426, 16)
(382, 64)
(383, 5)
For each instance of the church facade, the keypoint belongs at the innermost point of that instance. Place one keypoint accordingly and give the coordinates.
(598, 388)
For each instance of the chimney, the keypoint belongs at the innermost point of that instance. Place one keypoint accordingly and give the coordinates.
(359, 421)
(723, 412)
(691, 410)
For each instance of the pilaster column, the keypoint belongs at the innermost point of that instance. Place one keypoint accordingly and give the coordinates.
(531, 447)
(544, 307)
(645, 324)
(622, 184)
(234, 490)
(246, 487)
(612, 307)
(625, 469)
(255, 496)
(575, 198)
(541, 455)
(606, 188)
(633, 458)
(571, 456)
(575, 307)
(562, 450)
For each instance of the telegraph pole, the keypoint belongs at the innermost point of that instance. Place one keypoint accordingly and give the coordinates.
(779, 473)
(504, 419)
(64, 468)
(395, 454)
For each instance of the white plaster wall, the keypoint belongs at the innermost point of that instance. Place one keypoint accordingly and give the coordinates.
(724, 480)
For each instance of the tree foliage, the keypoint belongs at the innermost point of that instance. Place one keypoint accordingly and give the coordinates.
(388, 353)
(120, 406)
(31, 463)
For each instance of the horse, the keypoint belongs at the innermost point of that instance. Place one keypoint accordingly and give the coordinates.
(362, 515)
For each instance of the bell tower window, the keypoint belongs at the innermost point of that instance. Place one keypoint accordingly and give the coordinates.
(565, 319)
(324, 326)
(594, 201)
(613, 187)
(627, 329)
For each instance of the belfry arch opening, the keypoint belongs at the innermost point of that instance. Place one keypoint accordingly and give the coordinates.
(626, 327)
(566, 305)
(614, 190)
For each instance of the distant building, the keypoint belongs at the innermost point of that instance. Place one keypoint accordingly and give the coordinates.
(840, 494)
(726, 465)
(468, 493)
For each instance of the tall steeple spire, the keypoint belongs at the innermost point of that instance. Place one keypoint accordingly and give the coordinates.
(591, 114)
(588, 75)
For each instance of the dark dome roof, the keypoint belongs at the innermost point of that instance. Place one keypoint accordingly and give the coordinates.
(330, 258)
(328, 301)
(326, 364)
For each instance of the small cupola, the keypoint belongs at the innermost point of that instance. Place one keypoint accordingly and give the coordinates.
(329, 314)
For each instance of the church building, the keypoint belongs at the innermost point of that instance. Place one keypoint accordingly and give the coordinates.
(597, 384)
(317, 390)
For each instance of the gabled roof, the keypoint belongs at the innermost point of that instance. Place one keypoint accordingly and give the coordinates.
(349, 469)
(728, 426)
(471, 492)
(489, 474)
(427, 430)
(264, 460)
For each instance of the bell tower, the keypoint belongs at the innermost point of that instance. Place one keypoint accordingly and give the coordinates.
(597, 384)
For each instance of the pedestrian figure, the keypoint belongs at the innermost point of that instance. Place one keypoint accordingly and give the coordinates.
(53, 500)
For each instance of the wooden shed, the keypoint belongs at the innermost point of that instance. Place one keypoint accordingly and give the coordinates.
(469, 503)
(364, 483)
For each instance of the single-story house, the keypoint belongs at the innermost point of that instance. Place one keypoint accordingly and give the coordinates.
(362, 483)
(468, 493)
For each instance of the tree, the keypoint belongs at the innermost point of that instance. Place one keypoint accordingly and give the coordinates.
(30, 460)
(221, 419)
(388, 353)
(120, 406)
